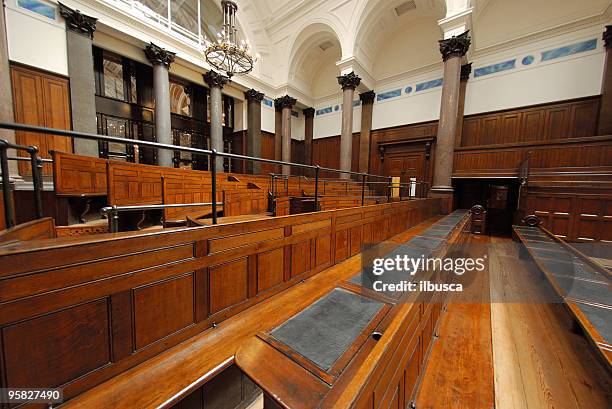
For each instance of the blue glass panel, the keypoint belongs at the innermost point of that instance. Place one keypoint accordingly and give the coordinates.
(429, 84)
(38, 7)
(569, 50)
(389, 94)
(492, 69)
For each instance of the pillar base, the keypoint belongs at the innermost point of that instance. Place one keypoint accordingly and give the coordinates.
(446, 196)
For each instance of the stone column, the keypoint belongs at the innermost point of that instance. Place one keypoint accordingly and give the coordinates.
(79, 36)
(254, 99)
(605, 107)
(161, 60)
(452, 49)
(308, 134)
(286, 104)
(348, 82)
(6, 96)
(466, 70)
(367, 104)
(216, 82)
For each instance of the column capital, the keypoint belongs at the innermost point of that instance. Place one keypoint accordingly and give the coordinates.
(367, 97)
(607, 37)
(77, 21)
(349, 81)
(285, 102)
(309, 112)
(214, 79)
(159, 56)
(253, 95)
(466, 70)
(456, 46)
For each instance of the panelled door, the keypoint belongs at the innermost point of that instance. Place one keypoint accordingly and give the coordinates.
(41, 99)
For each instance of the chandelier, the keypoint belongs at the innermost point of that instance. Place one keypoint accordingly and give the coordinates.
(227, 54)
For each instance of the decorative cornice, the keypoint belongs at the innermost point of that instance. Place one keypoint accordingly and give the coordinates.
(309, 112)
(214, 79)
(607, 37)
(349, 81)
(285, 102)
(159, 56)
(77, 21)
(466, 70)
(253, 95)
(456, 46)
(367, 97)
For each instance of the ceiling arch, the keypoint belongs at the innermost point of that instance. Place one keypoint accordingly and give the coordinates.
(313, 50)
(403, 31)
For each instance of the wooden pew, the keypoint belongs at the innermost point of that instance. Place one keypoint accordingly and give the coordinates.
(75, 312)
(367, 350)
(34, 230)
(583, 285)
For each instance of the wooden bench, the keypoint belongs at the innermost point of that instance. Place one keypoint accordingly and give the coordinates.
(583, 285)
(367, 350)
(109, 302)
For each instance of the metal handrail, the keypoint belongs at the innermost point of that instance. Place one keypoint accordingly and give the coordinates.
(37, 182)
(112, 212)
(213, 154)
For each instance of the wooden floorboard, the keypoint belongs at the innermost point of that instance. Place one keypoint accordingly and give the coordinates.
(540, 362)
(512, 353)
(459, 372)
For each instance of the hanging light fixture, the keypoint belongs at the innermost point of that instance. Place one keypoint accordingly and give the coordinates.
(227, 54)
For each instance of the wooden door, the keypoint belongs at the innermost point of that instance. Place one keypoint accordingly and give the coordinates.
(41, 99)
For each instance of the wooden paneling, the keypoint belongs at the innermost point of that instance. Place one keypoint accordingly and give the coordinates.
(575, 217)
(41, 99)
(106, 303)
(562, 120)
(162, 308)
(228, 284)
(76, 175)
(50, 350)
(270, 269)
(591, 155)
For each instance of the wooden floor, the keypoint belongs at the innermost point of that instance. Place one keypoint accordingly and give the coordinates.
(512, 355)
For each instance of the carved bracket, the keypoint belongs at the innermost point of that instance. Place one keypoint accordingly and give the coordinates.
(253, 95)
(159, 56)
(349, 81)
(456, 46)
(214, 79)
(77, 21)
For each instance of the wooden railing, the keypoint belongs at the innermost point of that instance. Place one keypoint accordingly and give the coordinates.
(75, 312)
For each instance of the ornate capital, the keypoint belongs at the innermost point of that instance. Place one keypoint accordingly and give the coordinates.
(159, 56)
(285, 102)
(214, 79)
(77, 21)
(349, 81)
(466, 70)
(456, 46)
(367, 97)
(253, 95)
(607, 37)
(309, 112)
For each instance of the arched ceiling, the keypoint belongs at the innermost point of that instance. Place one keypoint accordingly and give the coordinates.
(315, 51)
(395, 36)
(498, 21)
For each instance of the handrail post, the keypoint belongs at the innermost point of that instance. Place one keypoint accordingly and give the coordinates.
(389, 181)
(9, 211)
(363, 183)
(113, 220)
(213, 173)
(36, 163)
(317, 188)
